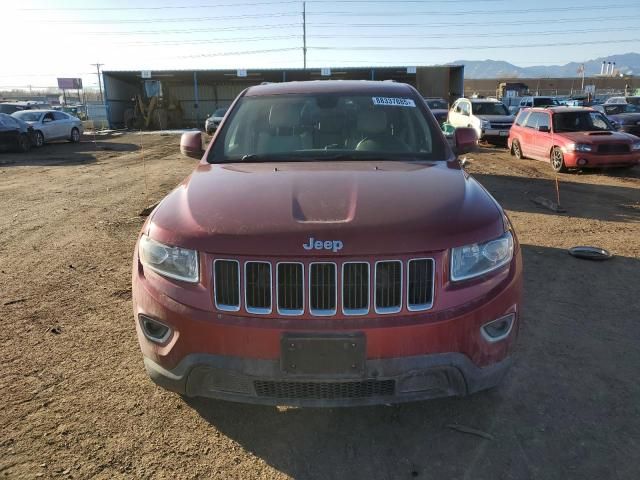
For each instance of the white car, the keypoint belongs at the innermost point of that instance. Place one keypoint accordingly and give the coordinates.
(490, 118)
(51, 125)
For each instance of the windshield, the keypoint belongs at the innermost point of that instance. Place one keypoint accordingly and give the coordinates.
(327, 126)
(633, 100)
(489, 108)
(437, 104)
(630, 108)
(544, 101)
(219, 112)
(585, 121)
(28, 116)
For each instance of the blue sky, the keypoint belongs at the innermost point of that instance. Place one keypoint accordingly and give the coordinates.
(62, 38)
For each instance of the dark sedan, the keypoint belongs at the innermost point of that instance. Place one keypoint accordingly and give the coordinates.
(15, 134)
(439, 107)
(625, 116)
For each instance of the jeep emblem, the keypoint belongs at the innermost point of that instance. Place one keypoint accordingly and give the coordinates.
(333, 245)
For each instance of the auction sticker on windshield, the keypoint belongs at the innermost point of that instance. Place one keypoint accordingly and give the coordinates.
(394, 102)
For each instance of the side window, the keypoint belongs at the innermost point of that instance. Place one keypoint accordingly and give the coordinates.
(48, 117)
(466, 108)
(532, 121)
(598, 121)
(522, 117)
(59, 116)
(543, 120)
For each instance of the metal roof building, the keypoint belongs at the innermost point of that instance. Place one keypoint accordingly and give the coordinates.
(190, 96)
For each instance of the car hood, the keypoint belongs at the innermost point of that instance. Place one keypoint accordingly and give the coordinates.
(624, 118)
(596, 137)
(497, 118)
(372, 208)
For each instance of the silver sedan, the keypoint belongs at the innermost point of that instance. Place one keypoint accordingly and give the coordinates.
(51, 125)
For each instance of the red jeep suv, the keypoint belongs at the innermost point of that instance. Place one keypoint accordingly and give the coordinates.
(327, 250)
(572, 138)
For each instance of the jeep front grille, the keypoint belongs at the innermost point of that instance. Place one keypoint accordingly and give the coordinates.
(227, 284)
(317, 288)
(355, 288)
(257, 279)
(290, 279)
(322, 289)
(388, 286)
(420, 284)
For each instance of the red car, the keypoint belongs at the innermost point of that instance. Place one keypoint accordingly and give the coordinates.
(572, 138)
(327, 250)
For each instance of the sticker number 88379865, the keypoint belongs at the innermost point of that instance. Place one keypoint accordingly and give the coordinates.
(394, 102)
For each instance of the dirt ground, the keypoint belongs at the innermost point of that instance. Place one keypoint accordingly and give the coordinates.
(76, 402)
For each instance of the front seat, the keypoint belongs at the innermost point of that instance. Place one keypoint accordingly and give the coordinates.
(372, 126)
(285, 133)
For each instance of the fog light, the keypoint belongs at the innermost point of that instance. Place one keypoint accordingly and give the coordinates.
(582, 161)
(499, 329)
(154, 330)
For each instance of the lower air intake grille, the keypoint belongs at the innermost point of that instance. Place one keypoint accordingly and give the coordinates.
(325, 390)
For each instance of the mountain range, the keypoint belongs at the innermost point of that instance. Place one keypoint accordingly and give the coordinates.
(627, 63)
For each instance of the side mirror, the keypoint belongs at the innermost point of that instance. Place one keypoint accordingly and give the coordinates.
(191, 144)
(544, 129)
(464, 140)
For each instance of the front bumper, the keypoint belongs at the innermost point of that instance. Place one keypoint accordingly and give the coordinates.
(599, 160)
(392, 380)
(495, 134)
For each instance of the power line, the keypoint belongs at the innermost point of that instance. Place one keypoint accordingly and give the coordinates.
(252, 4)
(197, 30)
(478, 47)
(475, 35)
(466, 12)
(448, 27)
(223, 54)
(170, 20)
(214, 41)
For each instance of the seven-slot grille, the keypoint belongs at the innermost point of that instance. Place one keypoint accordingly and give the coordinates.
(387, 285)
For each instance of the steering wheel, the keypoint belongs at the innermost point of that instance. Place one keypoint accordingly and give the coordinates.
(385, 143)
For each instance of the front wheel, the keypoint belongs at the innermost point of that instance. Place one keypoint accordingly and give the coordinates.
(23, 143)
(39, 139)
(557, 160)
(75, 135)
(516, 150)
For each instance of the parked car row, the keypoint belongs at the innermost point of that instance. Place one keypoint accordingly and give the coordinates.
(26, 128)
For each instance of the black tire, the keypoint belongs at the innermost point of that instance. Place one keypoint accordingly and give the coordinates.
(557, 160)
(24, 144)
(516, 150)
(39, 142)
(75, 135)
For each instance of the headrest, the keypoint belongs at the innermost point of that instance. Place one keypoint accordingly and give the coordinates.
(331, 122)
(284, 115)
(372, 121)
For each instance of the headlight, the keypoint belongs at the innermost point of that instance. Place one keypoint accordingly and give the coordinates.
(479, 258)
(485, 124)
(579, 147)
(635, 147)
(173, 262)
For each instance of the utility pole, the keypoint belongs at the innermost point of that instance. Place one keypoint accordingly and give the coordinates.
(98, 65)
(304, 34)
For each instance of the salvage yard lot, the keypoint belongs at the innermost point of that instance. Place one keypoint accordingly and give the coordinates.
(78, 404)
